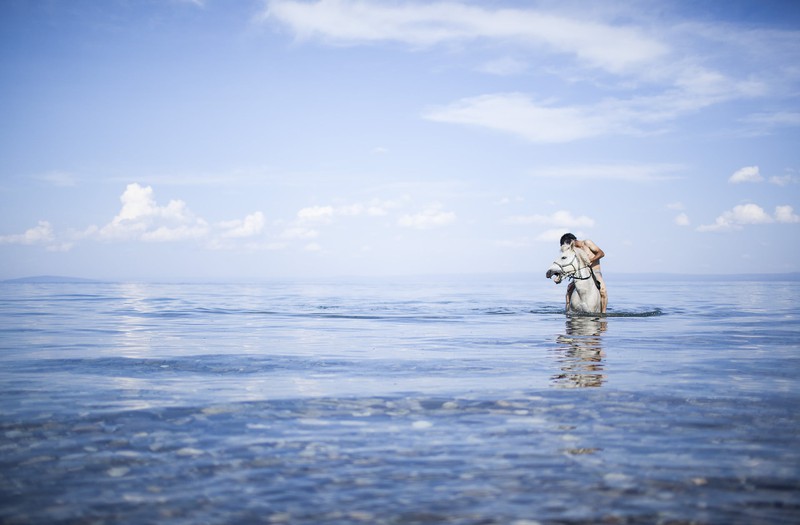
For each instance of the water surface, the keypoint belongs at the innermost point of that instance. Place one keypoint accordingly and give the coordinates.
(412, 401)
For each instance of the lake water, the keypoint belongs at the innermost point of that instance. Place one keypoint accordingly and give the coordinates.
(411, 401)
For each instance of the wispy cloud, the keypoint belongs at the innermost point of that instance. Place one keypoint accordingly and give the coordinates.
(505, 66)
(611, 172)
(60, 179)
(609, 47)
(768, 123)
(550, 122)
(683, 67)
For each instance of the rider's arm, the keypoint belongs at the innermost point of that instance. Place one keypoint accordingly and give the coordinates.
(595, 250)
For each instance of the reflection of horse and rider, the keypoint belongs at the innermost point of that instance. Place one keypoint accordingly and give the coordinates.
(580, 261)
(581, 353)
(582, 359)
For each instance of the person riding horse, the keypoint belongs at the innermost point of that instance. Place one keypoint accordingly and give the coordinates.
(593, 254)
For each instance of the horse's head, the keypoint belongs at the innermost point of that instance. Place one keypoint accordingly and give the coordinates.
(566, 265)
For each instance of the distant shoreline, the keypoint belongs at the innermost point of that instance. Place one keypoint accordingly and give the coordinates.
(55, 279)
(618, 277)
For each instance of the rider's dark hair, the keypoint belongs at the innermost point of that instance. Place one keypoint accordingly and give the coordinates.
(567, 238)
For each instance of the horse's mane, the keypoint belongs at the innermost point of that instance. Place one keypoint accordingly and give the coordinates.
(580, 253)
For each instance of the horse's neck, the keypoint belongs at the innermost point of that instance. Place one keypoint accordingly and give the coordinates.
(585, 285)
(586, 297)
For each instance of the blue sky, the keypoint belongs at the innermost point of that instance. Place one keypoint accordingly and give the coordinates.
(255, 139)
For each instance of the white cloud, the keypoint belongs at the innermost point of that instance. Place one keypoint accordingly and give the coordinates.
(786, 214)
(42, 233)
(745, 214)
(678, 206)
(682, 220)
(432, 217)
(746, 174)
(141, 218)
(614, 48)
(250, 226)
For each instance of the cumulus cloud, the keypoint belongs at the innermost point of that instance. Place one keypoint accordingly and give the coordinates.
(746, 214)
(141, 218)
(746, 174)
(42, 233)
(753, 174)
(250, 226)
(432, 217)
(786, 214)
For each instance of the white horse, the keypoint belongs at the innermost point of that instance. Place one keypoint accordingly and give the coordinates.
(572, 263)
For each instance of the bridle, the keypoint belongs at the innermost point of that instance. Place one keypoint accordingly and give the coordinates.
(574, 273)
